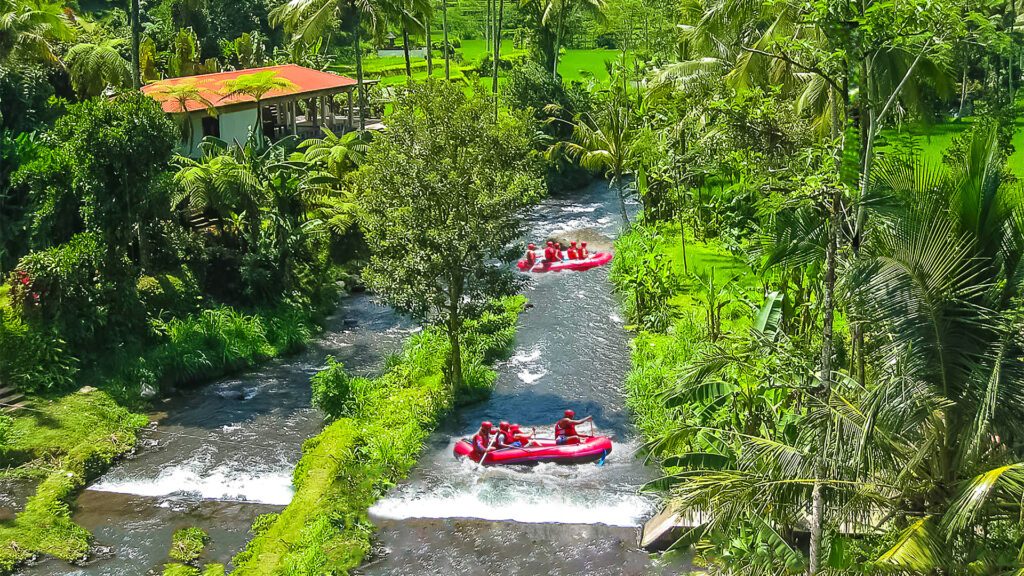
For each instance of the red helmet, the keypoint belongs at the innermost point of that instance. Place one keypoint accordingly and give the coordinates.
(583, 243)
(573, 242)
(503, 426)
(532, 246)
(514, 428)
(486, 425)
(550, 243)
(570, 414)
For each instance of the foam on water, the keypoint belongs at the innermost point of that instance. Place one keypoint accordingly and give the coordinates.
(222, 483)
(546, 493)
(530, 377)
(525, 357)
(563, 507)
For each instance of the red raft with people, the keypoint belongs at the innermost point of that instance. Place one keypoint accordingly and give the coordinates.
(589, 449)
(509, 444)
(555, 259)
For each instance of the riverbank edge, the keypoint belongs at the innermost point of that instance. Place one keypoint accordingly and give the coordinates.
(45, 525)
(356, 458)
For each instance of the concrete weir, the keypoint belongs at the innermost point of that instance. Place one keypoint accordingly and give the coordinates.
(665, 528)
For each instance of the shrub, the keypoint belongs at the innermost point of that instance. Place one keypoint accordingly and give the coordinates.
(180, 570)
(61, 285)
(33, 359)
(172, 294)
(6, 423)
(332, 389)
(187, 544)
(212, 342)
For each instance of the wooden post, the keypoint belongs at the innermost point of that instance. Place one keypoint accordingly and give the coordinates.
(295, 117)
(349, 109)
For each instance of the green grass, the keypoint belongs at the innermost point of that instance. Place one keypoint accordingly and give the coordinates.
(934, 139)
(75, 439)
(578, 65)
(575, 65)
(356, 458)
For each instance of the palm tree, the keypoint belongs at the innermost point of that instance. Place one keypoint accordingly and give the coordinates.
(256, 86)
(555, 15)
(221, 181)
(95, 67)
(182, 93)
(447, 55)
(29, 29)
(924, 446)
(337, 155)
(603, 143)
(136, 25)
(309, 20)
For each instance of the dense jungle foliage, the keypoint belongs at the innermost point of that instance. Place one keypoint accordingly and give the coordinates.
(824, 278)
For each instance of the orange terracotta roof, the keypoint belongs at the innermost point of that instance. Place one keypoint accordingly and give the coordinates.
(211, 85)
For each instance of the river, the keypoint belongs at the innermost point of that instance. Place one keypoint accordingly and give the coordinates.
(571, 351)
(224, 453)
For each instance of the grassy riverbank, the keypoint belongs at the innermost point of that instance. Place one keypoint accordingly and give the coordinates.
(712, 278)
(373, 445)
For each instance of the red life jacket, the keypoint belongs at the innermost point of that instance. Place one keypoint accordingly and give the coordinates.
(480, 440)
(505, 438)
(568, 430)
(549, 253)
(531, 257)
(573, 254)
(584, 254)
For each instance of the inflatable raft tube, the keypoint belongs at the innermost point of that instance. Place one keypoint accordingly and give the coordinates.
(596, 259)
(590, 450)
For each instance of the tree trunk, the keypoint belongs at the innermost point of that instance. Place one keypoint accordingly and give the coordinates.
(487, 25)
(828, 317)
(444, 28)
(497, 53)
(963, 94)
(622, 200)
(558, 43)
(360, 87)
(455, 341)
(430, 49)
(682, 238)
(405, 48)
(136, 34)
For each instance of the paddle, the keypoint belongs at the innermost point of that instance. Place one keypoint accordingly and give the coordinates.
(488, 451)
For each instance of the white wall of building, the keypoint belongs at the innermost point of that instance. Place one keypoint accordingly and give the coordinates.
(235, 126)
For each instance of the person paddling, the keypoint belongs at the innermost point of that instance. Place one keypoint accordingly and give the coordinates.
(482, 441)
(565, 429)
(582, 252)
(531, 256)
(573, 252)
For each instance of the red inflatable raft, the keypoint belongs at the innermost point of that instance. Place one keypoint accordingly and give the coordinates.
(596, 259)
(590, 450)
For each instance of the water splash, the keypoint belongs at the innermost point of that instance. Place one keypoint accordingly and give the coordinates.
(271, 486)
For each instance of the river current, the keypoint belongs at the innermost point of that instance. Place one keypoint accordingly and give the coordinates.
(224, 453)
